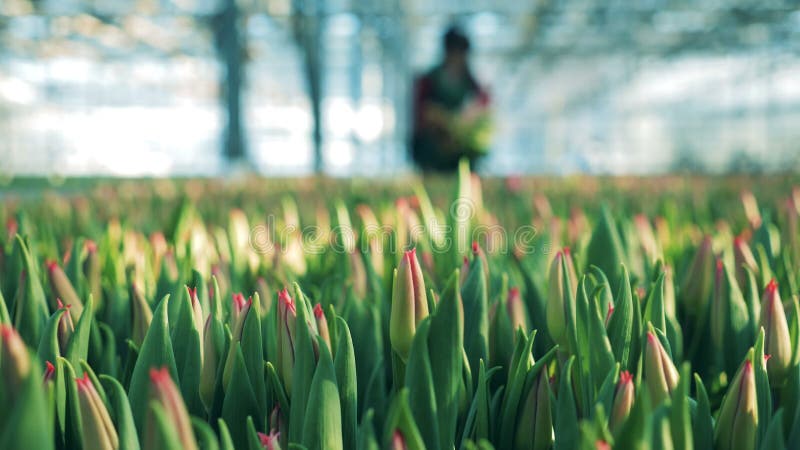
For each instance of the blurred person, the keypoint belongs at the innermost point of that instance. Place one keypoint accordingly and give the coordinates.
(451, 110)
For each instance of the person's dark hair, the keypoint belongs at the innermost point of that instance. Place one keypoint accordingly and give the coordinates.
(455, 40)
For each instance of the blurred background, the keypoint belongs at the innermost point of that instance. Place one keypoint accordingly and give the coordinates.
(291, 87)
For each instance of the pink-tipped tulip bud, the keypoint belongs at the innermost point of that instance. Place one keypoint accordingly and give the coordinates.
(535, 421)
(141, 315)
(557, 298)
(14, 359)
(409, 304)
(62, 289)
(660, 374)
(322, 324)
(516, 311)
(65, 326)
(287, 323)
(743, 259)
(738, 415)
(97, 429)
(695, 290)
(164, 392)
(623, 401)
(777, 341)
(49, 372)
(239, 312)
(647, 237)
(398, 441)
(751, 211)
(269, 441)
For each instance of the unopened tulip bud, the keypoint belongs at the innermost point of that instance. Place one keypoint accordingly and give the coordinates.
(557, 297)
(398, 441)
(97, 429)
(264, 295)
(464, 272)
(208, 374)
(669, 292)
(239, 314)
(93, 270)
(738, 415)
(62, 288)
(777, 341)
(516, 311)
(14, 359)
(287, 323)
(660, 374)
(197, 310)
(751, 209)
(647, 237)
(322, 324)
(141, 315)
(49, 372)
(409, 304)
(696, 287)
(164, 392)
(623, 400)
(719, 307)
(743, 259)
(269, 441)
(358, 274)
(535, 421)
(65, 326)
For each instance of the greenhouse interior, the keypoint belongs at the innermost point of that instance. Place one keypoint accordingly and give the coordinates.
(399, 224)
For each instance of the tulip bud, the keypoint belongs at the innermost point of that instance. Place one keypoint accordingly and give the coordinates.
(92, 270)
(49, 372)
(556, 308)
(647, 237)
(197, 312)
(719, 306)
(208, 375)
(277, 423)
(164, 392)
(660, 374)
(264, 295)
(398, 441)
(516, 311)
(287, 323)
(696, 288)
(65, 326)
(358, 274)
(409, 304)
(623, 401)
(63, 289)
(464, 272)
(239, 314)
(535, 424)
(14, 359)
(669, 292)
(322, 324)
(269, 441)
(97, 429)
(141, 315)
(744, 259)
(777, 341)
(738, 415)
(751, 209)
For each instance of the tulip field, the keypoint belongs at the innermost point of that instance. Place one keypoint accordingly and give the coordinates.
(449, 313)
